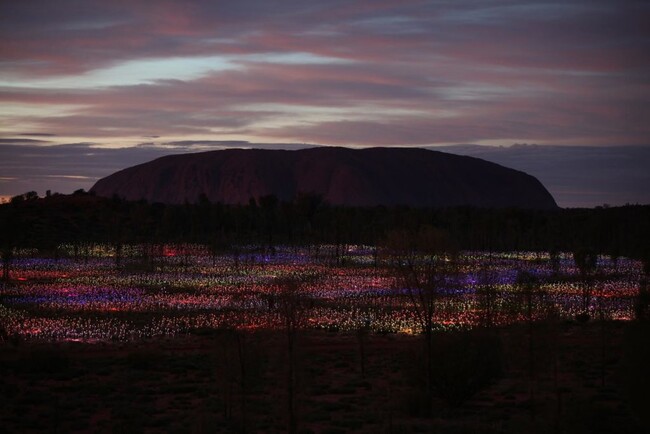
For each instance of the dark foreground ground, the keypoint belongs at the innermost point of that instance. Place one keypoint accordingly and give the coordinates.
(582, 378)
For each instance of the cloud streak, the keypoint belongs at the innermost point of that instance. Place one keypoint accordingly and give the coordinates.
(189, 68)
(363, 73)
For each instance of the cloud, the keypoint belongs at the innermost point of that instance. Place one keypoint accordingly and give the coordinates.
(198, 145)
(14, 141)
(38, 135)
(365, 73)
(344, 104)
(96, 34)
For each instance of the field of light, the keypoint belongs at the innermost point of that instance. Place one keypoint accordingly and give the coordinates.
(90, 297)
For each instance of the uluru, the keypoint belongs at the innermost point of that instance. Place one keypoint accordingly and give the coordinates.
(343, 176)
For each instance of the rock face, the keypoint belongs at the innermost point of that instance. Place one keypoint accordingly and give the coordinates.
(343, 176)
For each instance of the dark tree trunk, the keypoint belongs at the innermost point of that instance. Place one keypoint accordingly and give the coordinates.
(7, 256)
(291, 380)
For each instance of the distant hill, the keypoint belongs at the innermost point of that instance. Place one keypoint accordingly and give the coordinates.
(343, 176)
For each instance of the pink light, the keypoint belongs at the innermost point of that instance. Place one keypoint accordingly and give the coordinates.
(169, 252)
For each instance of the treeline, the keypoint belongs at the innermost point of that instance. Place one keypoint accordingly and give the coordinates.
(44, 223)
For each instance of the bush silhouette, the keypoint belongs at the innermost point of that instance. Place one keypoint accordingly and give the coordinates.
(465, 363)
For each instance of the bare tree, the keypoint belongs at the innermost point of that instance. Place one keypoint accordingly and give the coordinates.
(362, 341)
(424, 263)
(239, 340)
(239, 365)
(291, 304)
(642, 305)
(487, 292)
(586, 263)
(528, 290)
(10, 224)
(7, 256)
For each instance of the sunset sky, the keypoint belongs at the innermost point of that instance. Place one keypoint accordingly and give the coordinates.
(170, 76)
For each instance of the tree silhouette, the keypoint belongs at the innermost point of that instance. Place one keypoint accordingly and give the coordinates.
(486, 293)
(424, 264)
(586, 261)
(237, 371)
(528, 290)
(7, 255)
(11, 228)
(291, 303)
(269, 206)
(642, 305)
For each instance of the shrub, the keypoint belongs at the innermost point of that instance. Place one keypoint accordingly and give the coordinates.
(45, 360)
(141, 360)
(465, 363)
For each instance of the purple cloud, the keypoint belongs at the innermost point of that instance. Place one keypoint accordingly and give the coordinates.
(363, 73)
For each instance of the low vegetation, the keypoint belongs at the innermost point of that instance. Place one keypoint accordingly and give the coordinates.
(128, 331)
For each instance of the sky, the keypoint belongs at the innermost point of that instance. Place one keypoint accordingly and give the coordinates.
(91, 86)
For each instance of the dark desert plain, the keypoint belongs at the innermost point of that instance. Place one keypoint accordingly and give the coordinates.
(324, 216)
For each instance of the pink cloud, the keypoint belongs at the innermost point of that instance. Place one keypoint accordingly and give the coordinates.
(454, 72)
